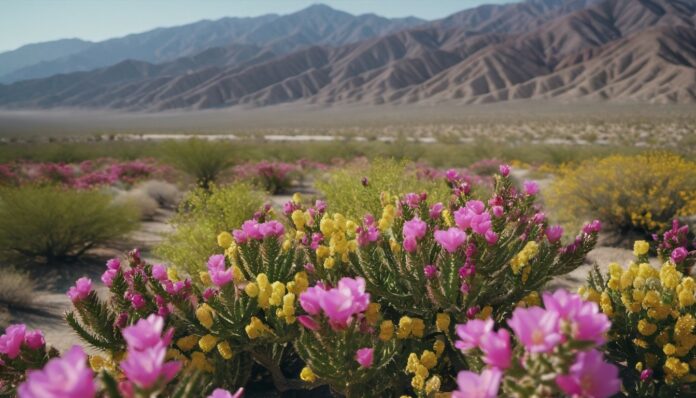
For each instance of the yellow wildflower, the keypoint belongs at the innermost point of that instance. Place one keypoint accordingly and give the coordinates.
(432, 385)
(207, 342)
(646, 328)
(442, 322)
(417, 327)
(187, 343)
(204, 314)
(224, 239)
(428, 359)
(200, 362)
(386, 330)
(225, 350)
(307, 375)
(439, 347)
(205, 278)
(405, 327)
(640, 248)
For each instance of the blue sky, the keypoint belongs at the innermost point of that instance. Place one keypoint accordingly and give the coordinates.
(30, 21)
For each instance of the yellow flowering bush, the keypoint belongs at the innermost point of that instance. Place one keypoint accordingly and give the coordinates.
(653, 314)
(641, 193)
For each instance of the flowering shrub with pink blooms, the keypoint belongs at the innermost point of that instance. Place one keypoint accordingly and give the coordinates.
(84, 175)
(424, 299)
(275, 177)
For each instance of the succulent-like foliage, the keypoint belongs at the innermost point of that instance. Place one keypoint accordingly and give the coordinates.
(653, 314)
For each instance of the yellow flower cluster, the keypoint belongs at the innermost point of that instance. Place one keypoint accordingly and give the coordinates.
(640, 248)
(256, 328)
(410, 327)
(442, 322)
(204, 314)
(341, 235)
(521, 260)
(660, 306)
(626, 202)
(387, 219)
(386, 330)
(275, 294)
(420, 369)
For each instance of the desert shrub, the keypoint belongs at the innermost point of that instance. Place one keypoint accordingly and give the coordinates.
(166, 194)
(201, 216)
(653, 313)
(273, 177)
(17, 288)
(138, 200)
(54, 222)
(357, 190)
(203, 160)
(402, 304)
(642, 193)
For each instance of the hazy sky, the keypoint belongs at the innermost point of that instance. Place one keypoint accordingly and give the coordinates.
(30, 21)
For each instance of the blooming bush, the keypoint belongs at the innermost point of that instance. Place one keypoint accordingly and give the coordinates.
(555, 355)
(364, 307)
(202, 214)
(84, 175)
(57, 223)
(653, 313)
(641, 193)
(275, 177)
(355, 191)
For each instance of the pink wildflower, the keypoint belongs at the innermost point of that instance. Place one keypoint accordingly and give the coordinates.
(81, 290)
(11, 341)
(470, 333)
(451, 239)
(590, 376)
(66, 377)
(472, 385)
(365, 357)
(536, 328)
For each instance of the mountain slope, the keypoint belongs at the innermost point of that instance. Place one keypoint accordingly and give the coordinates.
(621, 50)
(34, 53)
(315, 25)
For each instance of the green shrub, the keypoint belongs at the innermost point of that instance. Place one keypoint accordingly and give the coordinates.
(202, 215)
(345, 192)
(203, 160)
(17, 288)
(57, 223)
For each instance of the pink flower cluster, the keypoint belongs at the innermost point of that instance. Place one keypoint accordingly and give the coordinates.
(253, 230)
(413, 231)
(16, 337)
(675, 244)
(274, 176)
(216, 269)
(66, 377)
(81, 290)
(566, 317)
(87, 174)
(145, 363)
(368, 232)
(475, 217)
(175, 288)
(339, 304)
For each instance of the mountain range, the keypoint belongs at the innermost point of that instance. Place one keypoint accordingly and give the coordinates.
(617, 50)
